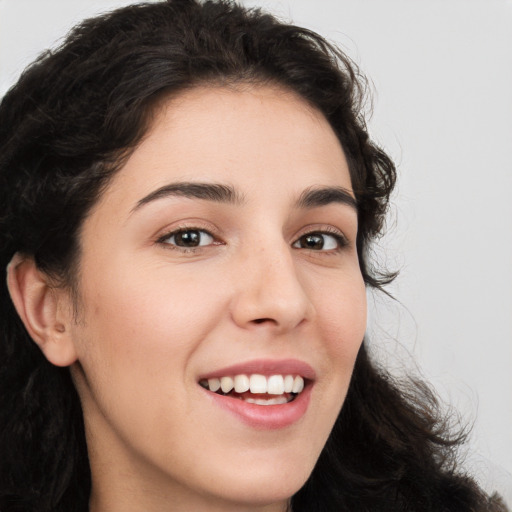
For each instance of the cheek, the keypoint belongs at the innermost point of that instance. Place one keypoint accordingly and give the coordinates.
(341, 324)
(343, 312)
(342, 315)
(135, 344)
(142, 326)
(137, 302)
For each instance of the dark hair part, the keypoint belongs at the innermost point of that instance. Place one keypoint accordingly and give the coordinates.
(68, 125)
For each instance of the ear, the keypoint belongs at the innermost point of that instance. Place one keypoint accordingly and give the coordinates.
(44, 309)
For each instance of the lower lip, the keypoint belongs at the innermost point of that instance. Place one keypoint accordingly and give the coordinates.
(265, 417)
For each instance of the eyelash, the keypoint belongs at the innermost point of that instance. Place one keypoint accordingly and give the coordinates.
(164, 240)
(340, 240)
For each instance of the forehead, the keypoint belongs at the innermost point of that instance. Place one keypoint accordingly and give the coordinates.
(256, 138)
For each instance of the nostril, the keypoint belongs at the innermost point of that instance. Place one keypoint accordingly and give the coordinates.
(262, 320)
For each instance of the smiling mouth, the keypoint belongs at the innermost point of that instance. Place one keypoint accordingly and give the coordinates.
(256, 388)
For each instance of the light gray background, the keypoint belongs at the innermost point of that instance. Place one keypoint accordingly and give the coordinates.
(441, 71)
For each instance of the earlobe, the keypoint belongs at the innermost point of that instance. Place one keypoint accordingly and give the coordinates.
(44, 310)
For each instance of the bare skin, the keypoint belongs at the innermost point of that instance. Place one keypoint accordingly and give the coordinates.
(175, 285)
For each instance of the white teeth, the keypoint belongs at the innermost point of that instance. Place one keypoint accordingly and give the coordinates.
(275, 385)
(298, 384)
(226, 384)
(271, 401)
(214, 384)
(258, 383)
(242, 383)
(288, 383)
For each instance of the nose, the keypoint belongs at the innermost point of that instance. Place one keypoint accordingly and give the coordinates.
(269, 292)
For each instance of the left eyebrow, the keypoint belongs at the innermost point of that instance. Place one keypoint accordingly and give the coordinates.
(315, 197)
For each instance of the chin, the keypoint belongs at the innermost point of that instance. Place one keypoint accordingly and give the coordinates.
(267, 491)
(265, 484)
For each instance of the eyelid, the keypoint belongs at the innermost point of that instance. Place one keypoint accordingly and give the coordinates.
(211, 240)
(192, 225)
(340, 236)
(213, 231)
(321, 228)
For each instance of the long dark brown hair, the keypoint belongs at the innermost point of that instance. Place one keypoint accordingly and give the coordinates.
(68, 125)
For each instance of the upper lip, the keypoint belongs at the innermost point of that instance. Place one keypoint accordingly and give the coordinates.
(265, 367)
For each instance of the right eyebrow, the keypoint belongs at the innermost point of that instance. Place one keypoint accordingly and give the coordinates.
(216, 192)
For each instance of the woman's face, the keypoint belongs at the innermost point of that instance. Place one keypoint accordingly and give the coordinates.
(223, 253)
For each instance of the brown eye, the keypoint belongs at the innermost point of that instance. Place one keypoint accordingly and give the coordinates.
(189, 238)
(319, 242)
(313, 241)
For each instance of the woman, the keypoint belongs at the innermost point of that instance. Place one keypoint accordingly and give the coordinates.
(188, 196)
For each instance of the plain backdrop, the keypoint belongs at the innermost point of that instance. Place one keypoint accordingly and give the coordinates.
(440, 72)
